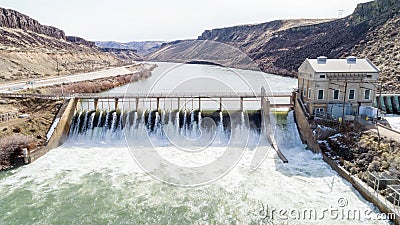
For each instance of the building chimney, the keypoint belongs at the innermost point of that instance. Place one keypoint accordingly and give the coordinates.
(321, 60)
(351, 60)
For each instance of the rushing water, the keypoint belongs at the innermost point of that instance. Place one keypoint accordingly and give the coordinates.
(93, 178)
(394, 121)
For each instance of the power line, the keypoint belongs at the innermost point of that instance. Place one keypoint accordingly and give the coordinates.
(340, 13)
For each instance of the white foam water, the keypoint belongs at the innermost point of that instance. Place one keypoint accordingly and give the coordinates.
(88, 181)
(394, 121)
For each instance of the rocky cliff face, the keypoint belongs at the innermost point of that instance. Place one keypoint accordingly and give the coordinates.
(13, 19)
(239, 35)
(382, 46)
(280, 47)
(142, 47)
(249, 39)
(29, 50)
(80, 41)
(124, 54)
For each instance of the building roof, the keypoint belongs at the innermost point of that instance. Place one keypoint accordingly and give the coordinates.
(349, 65)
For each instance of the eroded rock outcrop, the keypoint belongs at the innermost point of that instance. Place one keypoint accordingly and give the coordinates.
(80, 41)
(281, 46)
(12, 19)
(29, 50)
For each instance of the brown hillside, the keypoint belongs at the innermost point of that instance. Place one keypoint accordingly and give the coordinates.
(29, 50)
(281, 46)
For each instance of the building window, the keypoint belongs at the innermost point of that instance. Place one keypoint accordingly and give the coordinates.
(352, 94)
(369, 76)
(304, 91)
(336, 94)
(309, 93)
(322, 76)
(319, 110)
(320, 94)
(367, 94)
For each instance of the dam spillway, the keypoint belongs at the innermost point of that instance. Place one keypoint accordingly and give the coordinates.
(188, 127)
(185, 125)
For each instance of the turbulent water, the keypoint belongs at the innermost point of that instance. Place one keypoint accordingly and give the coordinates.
(394, 121)
(87, 181)
(95, 178)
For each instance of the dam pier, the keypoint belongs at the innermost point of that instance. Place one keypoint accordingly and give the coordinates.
(116, 111)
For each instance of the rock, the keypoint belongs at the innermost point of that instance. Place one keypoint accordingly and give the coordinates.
(32, 50)
(13, 19)
(16, 129)
(124, 54)
(80, 41)
(139, 47)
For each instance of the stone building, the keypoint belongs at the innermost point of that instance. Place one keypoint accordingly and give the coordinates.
(327, 86)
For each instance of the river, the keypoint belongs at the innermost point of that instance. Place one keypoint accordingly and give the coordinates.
(97, 180)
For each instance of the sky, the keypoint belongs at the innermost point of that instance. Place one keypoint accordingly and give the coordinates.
(167, 20)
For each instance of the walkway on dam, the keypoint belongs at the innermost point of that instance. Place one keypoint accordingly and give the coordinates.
(130, 97)
(149, 95)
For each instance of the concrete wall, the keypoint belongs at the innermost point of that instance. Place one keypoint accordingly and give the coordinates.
(340, 170)
(379, 201)
(305, 131)
(267, 129)
(366, 191)
(60, 133)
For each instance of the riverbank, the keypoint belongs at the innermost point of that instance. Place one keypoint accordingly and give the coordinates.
(361, 155)
(27, 130)
(358, 153)
(28, 124)
(354, 150)
(358, 149)
(95, 85)
(111, 72)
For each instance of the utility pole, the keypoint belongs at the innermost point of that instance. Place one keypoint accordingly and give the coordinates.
(377, 114)
(379, 100)
(58, 69)
(340, 15)
(344, 102)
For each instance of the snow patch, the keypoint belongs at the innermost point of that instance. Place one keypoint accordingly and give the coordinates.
(394, 121)
(52, 128)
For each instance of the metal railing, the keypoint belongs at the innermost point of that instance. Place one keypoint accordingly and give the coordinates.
(303, 108)
(148, 95)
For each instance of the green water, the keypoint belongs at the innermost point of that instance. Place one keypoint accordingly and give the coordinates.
(87, 182)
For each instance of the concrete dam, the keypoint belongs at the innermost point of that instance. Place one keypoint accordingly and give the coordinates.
(161, 120)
